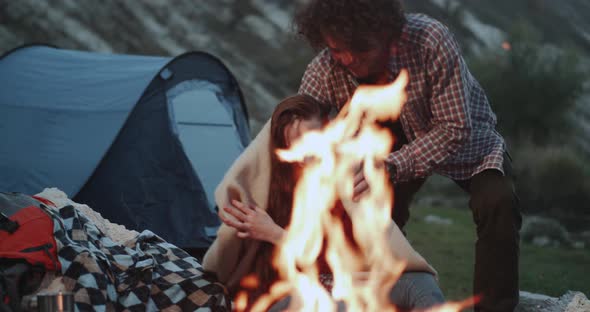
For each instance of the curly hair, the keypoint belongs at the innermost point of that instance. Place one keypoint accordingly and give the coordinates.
(354, 23)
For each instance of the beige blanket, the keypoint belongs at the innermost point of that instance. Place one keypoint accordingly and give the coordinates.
(231, 257)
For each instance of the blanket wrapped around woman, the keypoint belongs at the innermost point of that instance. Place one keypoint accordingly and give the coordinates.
(248, 180)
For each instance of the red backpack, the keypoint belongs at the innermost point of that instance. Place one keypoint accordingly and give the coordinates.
(27, 233)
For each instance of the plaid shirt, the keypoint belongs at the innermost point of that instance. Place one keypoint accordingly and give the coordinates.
(447, 119)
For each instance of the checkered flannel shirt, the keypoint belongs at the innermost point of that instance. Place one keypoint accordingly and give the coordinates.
(447, 119)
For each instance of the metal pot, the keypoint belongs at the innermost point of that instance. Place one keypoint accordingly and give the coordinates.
(57, 302)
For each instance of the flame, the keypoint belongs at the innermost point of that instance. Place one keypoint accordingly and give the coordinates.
(362, 276)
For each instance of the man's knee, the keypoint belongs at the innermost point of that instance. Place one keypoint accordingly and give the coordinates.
(494, 203)
(496, 209)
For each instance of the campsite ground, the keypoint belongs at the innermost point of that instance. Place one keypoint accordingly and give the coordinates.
(449, 248)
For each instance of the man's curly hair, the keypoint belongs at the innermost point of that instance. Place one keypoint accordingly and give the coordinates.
(354, 23)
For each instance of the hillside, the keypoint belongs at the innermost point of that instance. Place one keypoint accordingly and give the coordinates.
(253, 37)
(249, 36)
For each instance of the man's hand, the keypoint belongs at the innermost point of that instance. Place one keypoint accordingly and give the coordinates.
(252, 222)
(361, 186)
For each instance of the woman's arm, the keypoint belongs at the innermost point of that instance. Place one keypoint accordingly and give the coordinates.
(252, 222)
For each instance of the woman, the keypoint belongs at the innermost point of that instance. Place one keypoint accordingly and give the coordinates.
(292, 117)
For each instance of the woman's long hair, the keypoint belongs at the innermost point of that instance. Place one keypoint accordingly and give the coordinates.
(282, 180)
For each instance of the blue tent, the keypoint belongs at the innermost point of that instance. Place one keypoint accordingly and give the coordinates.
(143, 140)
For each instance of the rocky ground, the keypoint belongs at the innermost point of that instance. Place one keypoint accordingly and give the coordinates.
(571, 301)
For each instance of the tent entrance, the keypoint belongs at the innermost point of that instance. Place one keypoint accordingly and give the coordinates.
(202, 120)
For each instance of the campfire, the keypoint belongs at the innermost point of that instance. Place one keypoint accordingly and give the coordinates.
(364, 274)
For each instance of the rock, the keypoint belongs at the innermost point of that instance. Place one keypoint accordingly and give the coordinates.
(578, 302)
(579, 245)
(571, 301)
(545, 241)
(582, 239)
(542, 231)
(433, 219)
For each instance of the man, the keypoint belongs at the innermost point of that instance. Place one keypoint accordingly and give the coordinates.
(445, 127)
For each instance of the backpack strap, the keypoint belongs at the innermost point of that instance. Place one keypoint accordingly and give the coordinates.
(7, 225)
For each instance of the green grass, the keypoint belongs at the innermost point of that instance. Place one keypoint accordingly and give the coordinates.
(450, 249)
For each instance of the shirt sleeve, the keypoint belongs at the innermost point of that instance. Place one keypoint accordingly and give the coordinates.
(446, 73)
(312, 83)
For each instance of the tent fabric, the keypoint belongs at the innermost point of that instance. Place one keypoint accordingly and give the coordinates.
(49, 93)
(208, 125)
(141, 139)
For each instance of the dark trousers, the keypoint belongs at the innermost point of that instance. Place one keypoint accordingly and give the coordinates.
(496, 214)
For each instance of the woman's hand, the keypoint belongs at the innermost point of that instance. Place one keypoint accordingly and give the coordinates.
(252, 222)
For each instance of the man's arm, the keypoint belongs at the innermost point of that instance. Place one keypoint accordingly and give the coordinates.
(311, 82)
(451, 123)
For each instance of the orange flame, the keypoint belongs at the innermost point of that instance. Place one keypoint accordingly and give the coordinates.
(363, 276)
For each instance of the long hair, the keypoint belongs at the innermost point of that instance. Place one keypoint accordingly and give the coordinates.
(355, 23)
(282, 180)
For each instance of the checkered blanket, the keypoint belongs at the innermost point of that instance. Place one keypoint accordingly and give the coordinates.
(145, 274)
